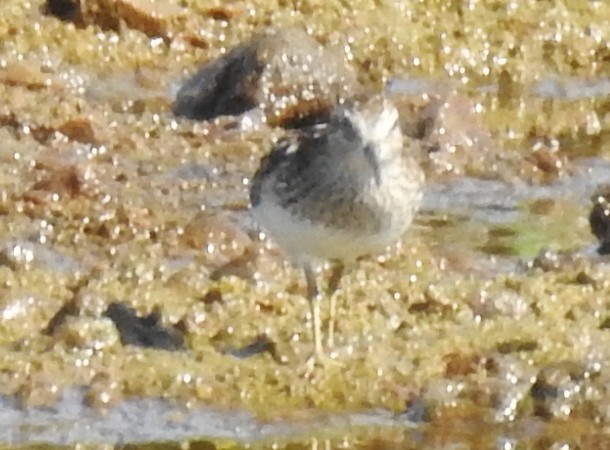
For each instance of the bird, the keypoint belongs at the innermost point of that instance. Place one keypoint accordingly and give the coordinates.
(338, 190)
(599, 218)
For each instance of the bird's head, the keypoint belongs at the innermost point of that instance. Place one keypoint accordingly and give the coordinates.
(374, 121)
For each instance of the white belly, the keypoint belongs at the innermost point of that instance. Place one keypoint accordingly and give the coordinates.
(305, 241)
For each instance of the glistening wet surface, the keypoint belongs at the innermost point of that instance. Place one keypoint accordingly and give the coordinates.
(515, 221)
(138, 422)
(70, 422)
(467, 205)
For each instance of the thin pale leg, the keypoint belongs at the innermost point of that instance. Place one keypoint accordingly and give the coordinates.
(313, 296)
(333, 285)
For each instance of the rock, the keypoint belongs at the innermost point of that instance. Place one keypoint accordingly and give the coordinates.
(279, 72)
(64, 182)
(261, 344)
(417, 410)
(79, 129)
(146, 331)
(547, 160)
(153, 18)
(558, 389)
(101, 13)
(506, 385)
(450, 133)
(68, 309)
(39, 391)
(460, 364)
(26, 74)
(221, 238)
(68, 10)
(506, 303)
(554, 261)
(87, 333)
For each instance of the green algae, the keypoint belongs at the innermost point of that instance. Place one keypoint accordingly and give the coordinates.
(523, 238)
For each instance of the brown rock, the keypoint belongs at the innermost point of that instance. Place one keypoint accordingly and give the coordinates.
(461, 364)
(64, 182)
(24, 74)
(452, 136)
(153, 18)
(279, 72)
(79, 129)
(221, 239)
(544, 164)
(223, 12)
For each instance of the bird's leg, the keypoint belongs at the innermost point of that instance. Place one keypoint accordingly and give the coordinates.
(313, 296)
(333, 285)
(319, 357)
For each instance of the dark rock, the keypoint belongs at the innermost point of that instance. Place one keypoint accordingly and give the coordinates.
(280, 72)
(212, 296)
(70, 308)
(144, 331)
(508, 380)
(68, 10)
(417, 410)
(262, 344)
(558, 389)
(517, 345)
(552, 261)
(102, 13)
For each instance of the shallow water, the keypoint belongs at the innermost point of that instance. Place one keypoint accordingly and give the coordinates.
(502, 226)
(557, 88)
(70, 422)
(496, 202)
(148, 423)
(154, 420)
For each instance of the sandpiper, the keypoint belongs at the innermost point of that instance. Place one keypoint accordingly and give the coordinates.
(337, 191)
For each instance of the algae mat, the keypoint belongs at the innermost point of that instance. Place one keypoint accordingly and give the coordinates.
(106, 197)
